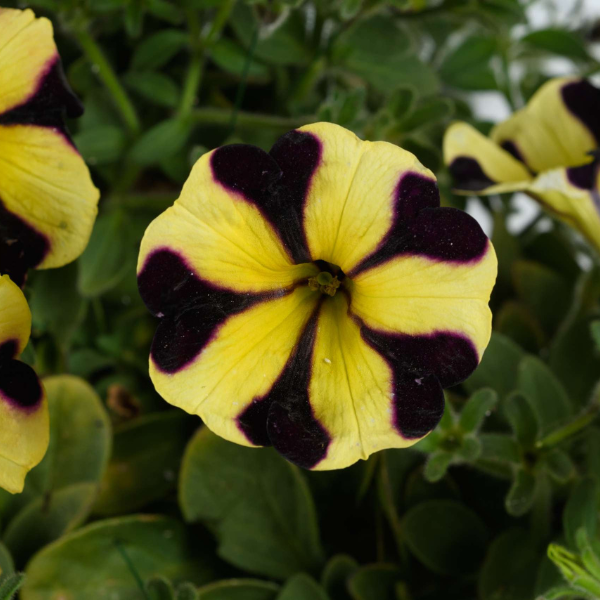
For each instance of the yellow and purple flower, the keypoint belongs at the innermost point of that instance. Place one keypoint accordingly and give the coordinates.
(48, 205)
(23, 407)
(546, 149)
(47, 199)
(315, 298)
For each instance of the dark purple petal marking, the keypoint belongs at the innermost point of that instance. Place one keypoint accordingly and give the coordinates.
(584, 177)
(277, 183)
(253, 421)
(21, 246)
(414, 193)
(418, 404)
(19, 385)
(291, 425)
(450, 356)
(447, 234)
(191, 309)
(467, 174)
(49, 103)
(8, 350)
(298, 154)
(582, 99)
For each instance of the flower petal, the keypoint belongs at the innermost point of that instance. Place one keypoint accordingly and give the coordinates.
(356, 192)
(220, 224)
(218, 353)
(479, 165)
(557, 128)
(30, 71)
(46, 193)
(573, 195)
(15, 319)
(433, 312)
(24, 423)
(346, 400)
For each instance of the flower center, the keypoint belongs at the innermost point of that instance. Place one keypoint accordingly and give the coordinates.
(328, 280)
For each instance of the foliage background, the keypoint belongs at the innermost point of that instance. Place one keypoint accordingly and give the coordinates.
(133, 499)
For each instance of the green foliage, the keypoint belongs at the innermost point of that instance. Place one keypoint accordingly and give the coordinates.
(129, 503)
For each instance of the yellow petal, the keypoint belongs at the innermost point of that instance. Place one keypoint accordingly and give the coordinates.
(24, 423)
(15, 318)
(353, 194)
(27, 51)
(478, 164)
(579, 207)
(236, 365)
(44, 182)
(221, 230)
(439, 309)
(557, 128)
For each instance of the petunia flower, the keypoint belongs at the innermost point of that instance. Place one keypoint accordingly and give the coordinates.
(546, 149)
(315, 298)
(47, 199)
(23, 406)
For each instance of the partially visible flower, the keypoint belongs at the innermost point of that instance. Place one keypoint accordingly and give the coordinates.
(47, 199)
(545, 149)
(23, 406)
(315, 298)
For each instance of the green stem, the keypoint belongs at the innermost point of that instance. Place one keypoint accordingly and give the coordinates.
(219, 116)
(107, 75)
(556, 437)
(242, 87)
(194, 74)
(219, 22)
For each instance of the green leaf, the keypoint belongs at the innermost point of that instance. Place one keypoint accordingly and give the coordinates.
(282, 45)
(7, 566)
(97, 567)
(164, 10)
(187, 591)
(581, 510)
(523, 421)
(595, 329)
(476, 409)
(239, 589)
(562, 592)
(401, 102)
(545, 394)
(558, 41)
(521, 495)
(105, 261)
(467, 67)
(80, 439)
(374, 582)
(10, 585)
(436, 466)
(517, 322)
(154, 87)
(445, 536)
(429, 112)
(158, 49)
(47, 518)
(509, 569)
(498, 367)
(55, 304)
(499, 447)
(145, 461)
(161, 141)
(559, 465)
(302, 587)
(336, 575)
(160, 588)
(258, 503)
(575, 361)
(231, 57)
(535, 284)
(380, 52)
(102, 144)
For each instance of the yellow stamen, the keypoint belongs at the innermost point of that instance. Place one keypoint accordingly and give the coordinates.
(325, 283)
